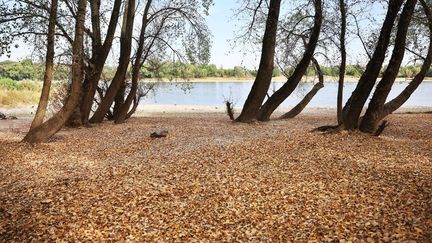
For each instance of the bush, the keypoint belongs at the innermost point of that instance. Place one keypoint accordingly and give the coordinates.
(30, 85)
(9, 84)
(13, 98)
(13, 93)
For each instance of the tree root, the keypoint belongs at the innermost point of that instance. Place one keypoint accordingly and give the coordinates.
(381, 128)
(329, 129)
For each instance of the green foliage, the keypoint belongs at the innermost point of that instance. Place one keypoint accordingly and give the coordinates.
(27, 70)
(180, 70)
(9, 84)
(20, 70)
(354, 70)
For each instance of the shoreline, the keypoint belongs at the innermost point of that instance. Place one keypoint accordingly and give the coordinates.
(279, 79)
(181, 110)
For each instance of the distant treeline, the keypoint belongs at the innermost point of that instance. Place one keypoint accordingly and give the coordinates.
(27, 70)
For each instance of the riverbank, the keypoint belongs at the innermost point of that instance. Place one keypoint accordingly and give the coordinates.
(185, 110)
(212, 180)
(279, 79)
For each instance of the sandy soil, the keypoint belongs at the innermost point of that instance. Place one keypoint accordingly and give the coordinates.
(211, 180)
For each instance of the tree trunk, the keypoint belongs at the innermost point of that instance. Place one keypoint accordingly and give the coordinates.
(119, 77)
(280, 95)
(119, 100)
(354, 106)
(265, 71)
(140, 58)
(99, 55)
(46, 130)
(309, 96)
(372, 118)
(399, 100)
(342, 68)
(49, 68)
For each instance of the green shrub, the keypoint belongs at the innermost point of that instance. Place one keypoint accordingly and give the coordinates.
(9, 84)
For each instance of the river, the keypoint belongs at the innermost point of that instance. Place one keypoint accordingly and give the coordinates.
(214, 94)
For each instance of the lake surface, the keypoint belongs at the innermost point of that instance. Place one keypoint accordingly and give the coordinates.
(214, 94)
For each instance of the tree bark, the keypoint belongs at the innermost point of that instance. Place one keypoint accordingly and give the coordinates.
(46, 130)
(373, 116)
(399, 100)
(354, 106)
(49, 68)
(280, 95)
(265, 71)
(119, 77)
(97, 62)
(342, 67)
(309, 96)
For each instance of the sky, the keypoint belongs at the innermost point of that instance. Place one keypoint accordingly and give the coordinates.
(223, 26)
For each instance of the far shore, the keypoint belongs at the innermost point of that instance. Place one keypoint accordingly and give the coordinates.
(279, 79)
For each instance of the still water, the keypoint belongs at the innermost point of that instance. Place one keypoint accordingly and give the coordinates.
(214, 94)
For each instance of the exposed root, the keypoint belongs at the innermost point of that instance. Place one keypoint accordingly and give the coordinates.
(329, 128)
(381, 128)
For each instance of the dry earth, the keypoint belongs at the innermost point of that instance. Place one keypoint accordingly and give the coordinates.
(211, 180)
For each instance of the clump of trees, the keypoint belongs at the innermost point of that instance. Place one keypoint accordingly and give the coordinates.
(149, 31)
(29, 70)
(296, 39)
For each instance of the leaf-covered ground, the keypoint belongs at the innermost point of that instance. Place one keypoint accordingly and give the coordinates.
(212, 180)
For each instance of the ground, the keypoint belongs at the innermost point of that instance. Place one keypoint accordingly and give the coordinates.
(213, 180)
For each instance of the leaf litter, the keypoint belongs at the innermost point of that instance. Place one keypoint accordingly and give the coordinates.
(212, 180)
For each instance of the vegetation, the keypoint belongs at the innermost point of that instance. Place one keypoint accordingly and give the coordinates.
(28, 70)
(201, 178)
(13, 93)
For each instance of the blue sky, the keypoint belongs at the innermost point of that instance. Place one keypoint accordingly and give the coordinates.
(224, 27)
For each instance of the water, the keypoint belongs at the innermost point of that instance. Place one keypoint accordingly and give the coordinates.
(215, 93)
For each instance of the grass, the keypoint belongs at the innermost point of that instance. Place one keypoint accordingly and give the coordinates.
(14, 93)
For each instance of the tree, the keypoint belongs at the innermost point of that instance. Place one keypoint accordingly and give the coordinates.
(56, 122)
(378, 109)
(100, 51)
(265, 72)
(372, 117)
(124, 60)
(49, 68)
(164, 25)
(289, 86)
(136, 67)
(354, 105)
(342, 67)
(308, 97)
